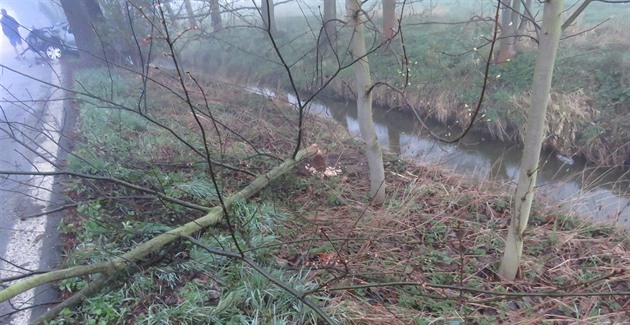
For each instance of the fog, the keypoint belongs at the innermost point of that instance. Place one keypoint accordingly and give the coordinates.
(27, 13)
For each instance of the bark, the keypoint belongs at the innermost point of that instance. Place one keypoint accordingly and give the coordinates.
(510, 20)
(389, 19)
(364, 101)
(171, 13)
(79, 18)
(330, 23)
(108, 269)
(268, 17)
(190, 13)
(541, 87)
(215, 16)
(94, 10)
(106, 38)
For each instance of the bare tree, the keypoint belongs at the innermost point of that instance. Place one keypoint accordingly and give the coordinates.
(215, 13)
(389, 19)
(356, 20)
(516, 15)
(84, 29)
(519, 19)
(541, 87)
(330, 23)
(190, 13)
(267, 13)
(211, 161)
(171, 13)
(107, 103)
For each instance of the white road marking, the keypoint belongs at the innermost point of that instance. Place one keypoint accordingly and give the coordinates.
(25, 245)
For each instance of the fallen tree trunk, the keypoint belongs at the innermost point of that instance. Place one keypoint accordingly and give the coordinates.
(110, 268)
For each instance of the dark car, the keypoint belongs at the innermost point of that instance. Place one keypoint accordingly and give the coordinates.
(52, 42)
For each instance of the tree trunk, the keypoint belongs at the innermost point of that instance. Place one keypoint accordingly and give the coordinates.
(364, 101)
(171, 13)
(389, 19)
(541, 87)
(268, 17)
(78, 13)
(122, 262)
(215, 16)
(94, 10)
(191, 13)
(510, 18)
(330, 23)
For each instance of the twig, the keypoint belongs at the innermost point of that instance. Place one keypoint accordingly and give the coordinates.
(61, 208)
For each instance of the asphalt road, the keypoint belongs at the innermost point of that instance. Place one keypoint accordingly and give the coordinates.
(29, 125)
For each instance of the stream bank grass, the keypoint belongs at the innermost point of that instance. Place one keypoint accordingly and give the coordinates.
(446, 64)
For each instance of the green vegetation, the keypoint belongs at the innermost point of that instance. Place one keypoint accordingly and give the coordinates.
(436, 232)
(590, 108)
(194, 286)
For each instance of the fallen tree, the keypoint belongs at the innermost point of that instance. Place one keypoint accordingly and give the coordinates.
(107, 270)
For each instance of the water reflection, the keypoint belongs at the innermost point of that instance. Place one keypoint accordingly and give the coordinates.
(597, 193)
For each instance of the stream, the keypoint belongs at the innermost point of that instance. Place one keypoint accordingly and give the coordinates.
(598, 194)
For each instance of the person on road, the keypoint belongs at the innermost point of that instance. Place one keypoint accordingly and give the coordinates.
(10, 29)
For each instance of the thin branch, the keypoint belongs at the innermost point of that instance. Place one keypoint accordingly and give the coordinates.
(113, 180)
(61, 208)
(17, 310)
(122, 107)
(584, 31)
(575, 14)
(479, 102)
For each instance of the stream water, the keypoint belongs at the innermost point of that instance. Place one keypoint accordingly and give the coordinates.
(601, 194)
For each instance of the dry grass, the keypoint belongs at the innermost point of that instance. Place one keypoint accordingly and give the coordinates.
(440, 229)
(607, 36)
(438, 233)
(567, 115)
